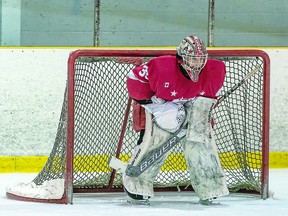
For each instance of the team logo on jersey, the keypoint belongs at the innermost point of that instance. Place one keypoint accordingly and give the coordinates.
(173, 93)
(166, 84)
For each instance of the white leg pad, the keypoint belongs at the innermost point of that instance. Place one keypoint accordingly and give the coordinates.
(200, 150)
(153, 138)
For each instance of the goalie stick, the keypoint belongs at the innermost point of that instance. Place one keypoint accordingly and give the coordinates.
(155, 154)
(151, 157)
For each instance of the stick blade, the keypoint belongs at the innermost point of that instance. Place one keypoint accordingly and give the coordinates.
(117, 164)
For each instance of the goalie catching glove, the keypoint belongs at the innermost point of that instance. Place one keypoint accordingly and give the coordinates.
(167, 115)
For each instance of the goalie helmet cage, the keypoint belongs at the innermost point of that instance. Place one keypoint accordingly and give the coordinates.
(95, 123)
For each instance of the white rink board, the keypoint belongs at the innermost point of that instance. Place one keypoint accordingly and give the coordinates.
(32, 83)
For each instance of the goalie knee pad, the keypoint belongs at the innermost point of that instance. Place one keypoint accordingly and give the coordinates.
(200, 150)
(141, 187)
(199, 122)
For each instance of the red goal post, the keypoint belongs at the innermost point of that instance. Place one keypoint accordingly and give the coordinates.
(95, 124)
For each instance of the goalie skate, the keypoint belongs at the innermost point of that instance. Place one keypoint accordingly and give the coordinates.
(136, 199)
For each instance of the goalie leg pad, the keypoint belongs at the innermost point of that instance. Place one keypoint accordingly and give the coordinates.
(200, 150)
(142, 185)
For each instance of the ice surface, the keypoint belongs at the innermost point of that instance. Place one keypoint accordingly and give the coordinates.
(172, 203)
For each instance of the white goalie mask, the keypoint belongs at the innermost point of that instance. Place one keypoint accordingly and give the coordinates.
(193, 54)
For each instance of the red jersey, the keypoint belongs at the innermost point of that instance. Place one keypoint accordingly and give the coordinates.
(162, 77)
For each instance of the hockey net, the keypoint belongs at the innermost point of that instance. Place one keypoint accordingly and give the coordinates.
(96, 123)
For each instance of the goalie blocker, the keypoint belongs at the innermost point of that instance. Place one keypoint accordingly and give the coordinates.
(207, 177)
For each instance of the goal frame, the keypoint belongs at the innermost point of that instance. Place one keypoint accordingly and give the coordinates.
(154, 53)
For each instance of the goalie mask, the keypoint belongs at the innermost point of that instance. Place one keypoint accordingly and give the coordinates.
(192, 56)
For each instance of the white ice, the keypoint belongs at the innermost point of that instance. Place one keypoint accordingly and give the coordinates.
(171, 203)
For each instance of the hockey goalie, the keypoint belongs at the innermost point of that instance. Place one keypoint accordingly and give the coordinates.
(170, 93)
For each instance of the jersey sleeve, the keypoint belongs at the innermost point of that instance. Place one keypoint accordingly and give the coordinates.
(141, 73)
(138, 85)
(221, 74)
(215, 73)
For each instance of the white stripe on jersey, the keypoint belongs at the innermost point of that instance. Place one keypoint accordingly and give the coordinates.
(131, 75)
